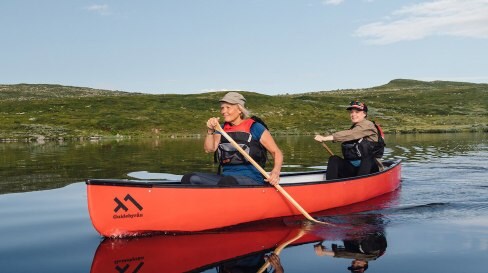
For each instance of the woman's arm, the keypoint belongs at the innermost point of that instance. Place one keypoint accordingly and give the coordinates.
(212, 139)
(362, 129)
(320, 138)
(268, 142)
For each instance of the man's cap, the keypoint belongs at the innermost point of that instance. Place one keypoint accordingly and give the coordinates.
(360, 106)
(358, 269)
(234, 98)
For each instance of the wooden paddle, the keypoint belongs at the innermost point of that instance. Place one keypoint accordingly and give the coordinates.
(265, 174)
(278, 250)
(327, 148)
(380, 165)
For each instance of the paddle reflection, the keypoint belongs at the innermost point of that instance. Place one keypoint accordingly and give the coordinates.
(253, 247)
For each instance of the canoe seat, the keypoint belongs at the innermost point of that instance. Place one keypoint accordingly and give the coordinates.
(314, 177)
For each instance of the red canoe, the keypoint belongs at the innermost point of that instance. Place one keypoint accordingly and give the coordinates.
(127, 207)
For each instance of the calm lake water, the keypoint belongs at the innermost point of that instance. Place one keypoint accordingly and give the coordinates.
(436, 222)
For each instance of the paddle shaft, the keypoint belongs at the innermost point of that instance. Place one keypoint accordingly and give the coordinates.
(380, 165)
(327, 148)
(278, 250)
(265, 174)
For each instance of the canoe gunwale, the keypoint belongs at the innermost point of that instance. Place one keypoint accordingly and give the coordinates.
(389, 164)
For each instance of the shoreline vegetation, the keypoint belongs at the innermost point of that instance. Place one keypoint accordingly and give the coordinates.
(43, 112)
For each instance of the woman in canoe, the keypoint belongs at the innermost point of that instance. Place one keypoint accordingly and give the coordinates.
(361, 144)
(251, 134)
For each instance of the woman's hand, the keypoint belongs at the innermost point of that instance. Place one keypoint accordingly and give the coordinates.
(321, 250)
(274, 177)
(212, 123)
(212, 140)
(320, 138)
(274, 261)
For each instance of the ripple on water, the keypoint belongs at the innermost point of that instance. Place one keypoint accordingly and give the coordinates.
(439, 186)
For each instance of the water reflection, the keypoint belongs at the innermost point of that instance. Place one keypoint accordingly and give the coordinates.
(360, 250)
(356, 235)
(35, 166)
(424, 147)
(31, 166)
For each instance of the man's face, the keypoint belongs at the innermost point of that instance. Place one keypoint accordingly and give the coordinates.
(358, 266)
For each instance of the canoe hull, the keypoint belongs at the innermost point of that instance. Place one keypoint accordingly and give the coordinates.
(129, 209)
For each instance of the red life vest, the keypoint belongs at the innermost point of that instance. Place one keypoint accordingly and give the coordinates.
(227, 154)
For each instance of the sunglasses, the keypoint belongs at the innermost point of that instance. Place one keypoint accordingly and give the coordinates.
(357, 103)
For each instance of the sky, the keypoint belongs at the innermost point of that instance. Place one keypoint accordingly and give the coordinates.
(265, 46)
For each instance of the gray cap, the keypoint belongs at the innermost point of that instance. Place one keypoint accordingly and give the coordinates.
(234, 98)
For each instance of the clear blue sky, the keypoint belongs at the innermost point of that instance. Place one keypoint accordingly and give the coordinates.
(266, 46)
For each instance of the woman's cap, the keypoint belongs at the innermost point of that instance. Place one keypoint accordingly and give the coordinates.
(234, 98)
(358, 106)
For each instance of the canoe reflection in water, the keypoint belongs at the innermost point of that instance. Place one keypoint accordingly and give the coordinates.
(253, 247)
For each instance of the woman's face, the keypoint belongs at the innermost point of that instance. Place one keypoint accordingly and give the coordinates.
(230, 112)
(357, 116)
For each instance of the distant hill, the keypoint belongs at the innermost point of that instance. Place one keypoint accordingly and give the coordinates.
(48, 91)
(30, 111)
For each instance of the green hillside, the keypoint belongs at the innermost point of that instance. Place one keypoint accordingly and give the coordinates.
(30, 111)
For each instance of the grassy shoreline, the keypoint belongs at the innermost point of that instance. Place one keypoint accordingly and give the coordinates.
(196, 136)
(30, 112)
